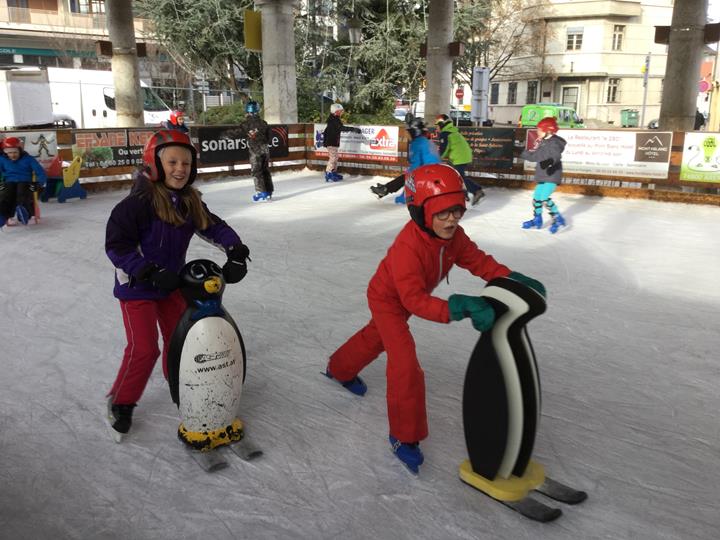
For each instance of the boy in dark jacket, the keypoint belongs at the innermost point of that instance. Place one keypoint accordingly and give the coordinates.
(331, 140)
(256, 132)
(176, 121)
(16, 170)
(547, 153)
(420, 257)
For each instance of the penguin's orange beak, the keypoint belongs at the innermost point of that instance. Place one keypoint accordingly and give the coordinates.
(213, 285)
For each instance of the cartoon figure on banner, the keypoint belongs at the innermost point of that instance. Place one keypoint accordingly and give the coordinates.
(42, 144)
(705, 158)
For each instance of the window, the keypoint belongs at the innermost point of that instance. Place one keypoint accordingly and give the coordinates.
(87, 6)
(512, 93)
(613, 90)
(494, 93)
(531, 92)
(618, 35)
(574, 39)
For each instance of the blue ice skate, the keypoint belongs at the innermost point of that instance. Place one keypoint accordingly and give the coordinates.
(337, 176)
(261, 196)
(330, 177)
(23, 216)
(356, 385)
(558, 221)
(534, 223)
(400, 199)
(409, 453)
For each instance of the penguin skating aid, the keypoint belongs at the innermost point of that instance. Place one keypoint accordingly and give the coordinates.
(206, 369)
(501, 408)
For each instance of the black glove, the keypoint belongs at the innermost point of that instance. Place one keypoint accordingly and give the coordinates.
(162, 278)
(235, 268)
(35, 187)
(544, 164)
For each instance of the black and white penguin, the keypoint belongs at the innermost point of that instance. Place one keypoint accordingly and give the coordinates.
(206, 361)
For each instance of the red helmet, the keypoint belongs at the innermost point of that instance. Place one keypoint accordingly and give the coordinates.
(430, 181)
(174, 117)
(12, 142)
(548, 124)
(161, 139)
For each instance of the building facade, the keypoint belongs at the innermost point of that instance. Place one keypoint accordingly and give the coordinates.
(593, 55)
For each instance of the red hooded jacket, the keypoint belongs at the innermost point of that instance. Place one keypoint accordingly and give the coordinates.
(416, 263)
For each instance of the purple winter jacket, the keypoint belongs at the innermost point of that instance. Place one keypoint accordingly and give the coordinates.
(136, 237)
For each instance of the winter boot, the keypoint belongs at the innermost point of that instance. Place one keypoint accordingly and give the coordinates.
(534, 223)
(356, 385)
(409, 453)
(23, 216)
(558, 221)
(478, 196)
(400, 199)
(261, 196)
(119, 418)
(379, 190)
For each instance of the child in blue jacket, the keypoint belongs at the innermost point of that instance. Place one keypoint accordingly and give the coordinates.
(16, 194)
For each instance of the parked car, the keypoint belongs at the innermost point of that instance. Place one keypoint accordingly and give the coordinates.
(400, 113)
(460, 118)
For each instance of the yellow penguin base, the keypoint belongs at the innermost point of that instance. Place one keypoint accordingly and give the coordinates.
(205, 441)
(510, 489)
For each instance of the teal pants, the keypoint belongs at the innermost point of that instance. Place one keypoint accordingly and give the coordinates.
(541, 196)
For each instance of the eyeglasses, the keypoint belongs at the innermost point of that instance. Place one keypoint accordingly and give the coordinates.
(456, 211)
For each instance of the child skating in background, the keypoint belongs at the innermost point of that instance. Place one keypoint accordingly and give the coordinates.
(176, 121)
(331, 140)
(16, 195)
(547, 154)
(147, 238)
(421, 151)
(420, 257)
(455, 149)
(256, 132)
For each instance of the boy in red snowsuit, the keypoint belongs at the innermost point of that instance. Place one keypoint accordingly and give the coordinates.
(418, 260)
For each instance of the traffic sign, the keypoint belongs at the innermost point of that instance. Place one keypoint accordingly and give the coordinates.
(459, 93)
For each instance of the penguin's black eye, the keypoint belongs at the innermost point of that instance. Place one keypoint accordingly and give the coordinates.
(215, 269)
(197, 271)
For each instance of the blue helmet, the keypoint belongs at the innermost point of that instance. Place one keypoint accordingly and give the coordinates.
(252, 107)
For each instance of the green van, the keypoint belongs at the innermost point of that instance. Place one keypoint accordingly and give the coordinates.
(566, 116)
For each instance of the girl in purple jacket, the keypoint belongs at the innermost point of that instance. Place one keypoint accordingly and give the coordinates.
(147, 237)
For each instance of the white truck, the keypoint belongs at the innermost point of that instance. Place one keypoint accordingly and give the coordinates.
(85, 98)
(25, 98)
(76, 98)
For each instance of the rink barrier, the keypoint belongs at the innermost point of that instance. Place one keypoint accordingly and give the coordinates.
(301, 155)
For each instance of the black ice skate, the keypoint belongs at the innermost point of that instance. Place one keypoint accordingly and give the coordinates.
(119, 419)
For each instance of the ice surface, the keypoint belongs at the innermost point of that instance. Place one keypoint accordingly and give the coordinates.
(628, 353)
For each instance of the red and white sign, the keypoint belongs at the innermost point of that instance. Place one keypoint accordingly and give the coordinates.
(459, 93)
(376, 143)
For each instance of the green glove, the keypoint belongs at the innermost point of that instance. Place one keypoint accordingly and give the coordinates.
(477, 308)
(529, 282)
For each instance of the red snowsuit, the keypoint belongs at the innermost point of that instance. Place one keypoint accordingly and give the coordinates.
(414, 265)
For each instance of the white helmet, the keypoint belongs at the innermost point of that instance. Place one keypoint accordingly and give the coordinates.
(335, 107)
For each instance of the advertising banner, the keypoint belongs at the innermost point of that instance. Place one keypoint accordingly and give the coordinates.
(642, 154)
(492, 147)
(376, 143)
(111, 148)
(41, 145)
(701, 158)
(223, 144)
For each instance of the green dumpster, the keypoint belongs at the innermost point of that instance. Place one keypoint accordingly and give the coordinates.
(629, 117)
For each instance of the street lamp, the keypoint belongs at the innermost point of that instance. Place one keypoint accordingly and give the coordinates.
(354, 26)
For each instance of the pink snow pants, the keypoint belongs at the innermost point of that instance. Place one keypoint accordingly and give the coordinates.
(141, 319)
(388, 331)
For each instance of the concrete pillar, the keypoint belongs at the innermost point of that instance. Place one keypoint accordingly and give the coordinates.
(439, 63)
(126, 77)
(278, 59)
(677, 112)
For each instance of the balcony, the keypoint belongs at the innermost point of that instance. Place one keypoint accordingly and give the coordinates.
(61, 22)
(583, 9)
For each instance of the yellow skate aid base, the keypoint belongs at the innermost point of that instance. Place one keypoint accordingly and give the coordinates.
(208, 440)
(510, 489)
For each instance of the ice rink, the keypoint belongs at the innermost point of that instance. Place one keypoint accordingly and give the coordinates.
(629, 357)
